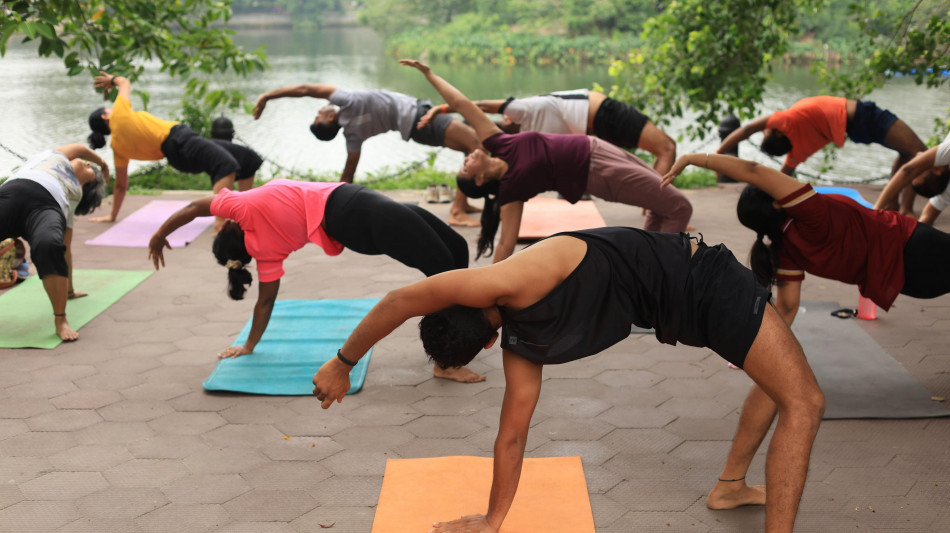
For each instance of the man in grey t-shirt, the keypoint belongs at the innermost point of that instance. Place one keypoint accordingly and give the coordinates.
(365, 113)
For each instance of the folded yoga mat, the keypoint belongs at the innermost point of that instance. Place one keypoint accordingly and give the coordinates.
(300, 337)
(845, 191)
(543, 217)
(26, 318)
(859, 379)
(136, 229)
(552, 495)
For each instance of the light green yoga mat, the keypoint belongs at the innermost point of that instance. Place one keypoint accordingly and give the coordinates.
(26, 317)
(300, 337)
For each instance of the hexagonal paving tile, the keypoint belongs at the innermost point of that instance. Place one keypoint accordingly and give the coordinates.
(63, 485)
(206, 488)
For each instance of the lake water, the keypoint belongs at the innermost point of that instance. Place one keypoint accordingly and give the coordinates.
(45, 108)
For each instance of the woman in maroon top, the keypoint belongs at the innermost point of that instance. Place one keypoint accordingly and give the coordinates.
(828, 235)
(525, 164)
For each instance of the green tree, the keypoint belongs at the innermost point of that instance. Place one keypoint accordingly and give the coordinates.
(120, 36)
(896, 38)
(706, 57)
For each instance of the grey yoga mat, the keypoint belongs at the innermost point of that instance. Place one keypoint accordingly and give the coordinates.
(859, 379)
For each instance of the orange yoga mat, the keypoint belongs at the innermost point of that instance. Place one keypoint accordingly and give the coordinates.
(543, 217)
(552, 495)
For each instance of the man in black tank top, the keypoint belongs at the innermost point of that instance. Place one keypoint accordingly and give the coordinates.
(573, 295)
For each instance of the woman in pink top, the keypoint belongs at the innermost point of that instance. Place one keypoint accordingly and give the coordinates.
(270, 222)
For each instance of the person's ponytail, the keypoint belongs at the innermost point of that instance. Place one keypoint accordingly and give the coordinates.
(491, 216)
(756, 212)
(229, 250)
(762, 262)
(100, 128)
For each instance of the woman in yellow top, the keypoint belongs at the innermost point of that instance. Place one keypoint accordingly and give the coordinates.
(145, 137)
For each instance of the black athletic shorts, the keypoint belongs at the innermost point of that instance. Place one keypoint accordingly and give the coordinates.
(191, 153)
(870, 123)
(619, 124)
(248, 159)
(434, 133)
(725, 302)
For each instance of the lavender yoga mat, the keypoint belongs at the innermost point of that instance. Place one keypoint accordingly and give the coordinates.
(136, 229)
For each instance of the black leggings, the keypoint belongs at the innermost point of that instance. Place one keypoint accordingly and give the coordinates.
(927, 263)
(369, 223)
(28, 210)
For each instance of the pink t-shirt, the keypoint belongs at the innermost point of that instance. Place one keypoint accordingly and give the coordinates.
(278, 218)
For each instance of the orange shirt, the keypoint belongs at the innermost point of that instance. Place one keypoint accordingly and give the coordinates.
(136, 134)
(810, 124)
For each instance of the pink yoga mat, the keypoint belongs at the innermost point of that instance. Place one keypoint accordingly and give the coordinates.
(136, 229)
(543, 217)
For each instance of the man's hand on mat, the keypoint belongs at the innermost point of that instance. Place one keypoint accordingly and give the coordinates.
(103, 218)
(473, 523)
(331, 382)
(234, 351)
(156, 249)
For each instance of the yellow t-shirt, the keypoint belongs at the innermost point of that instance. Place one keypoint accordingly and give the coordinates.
(136, 134)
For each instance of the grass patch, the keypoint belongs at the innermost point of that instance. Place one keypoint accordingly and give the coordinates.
(695, 178)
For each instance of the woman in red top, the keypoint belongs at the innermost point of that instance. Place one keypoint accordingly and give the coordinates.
(828, 235)
(525, 164)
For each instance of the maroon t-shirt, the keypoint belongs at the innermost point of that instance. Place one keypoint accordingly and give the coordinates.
(832, 236)
(539, 162)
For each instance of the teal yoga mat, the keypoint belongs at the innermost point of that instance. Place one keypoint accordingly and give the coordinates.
(26, 317)
(300, 337)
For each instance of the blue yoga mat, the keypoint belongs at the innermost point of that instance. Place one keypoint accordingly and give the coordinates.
(300, 337)
(844, 191)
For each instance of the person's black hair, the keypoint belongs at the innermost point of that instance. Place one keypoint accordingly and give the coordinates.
(756, 212)
(453, 337)
(100, 128)
(491, 212)
(92, 193)
(324, 131)
(229, 246)
(222, 128)
(776, 145)
(931, 184)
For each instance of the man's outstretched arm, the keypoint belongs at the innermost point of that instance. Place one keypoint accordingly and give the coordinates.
(312, 90)
(522, 389)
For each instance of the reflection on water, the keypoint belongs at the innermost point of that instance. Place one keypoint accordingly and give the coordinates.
(45, 108)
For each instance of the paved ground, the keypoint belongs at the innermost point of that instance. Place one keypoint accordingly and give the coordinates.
(114, 433)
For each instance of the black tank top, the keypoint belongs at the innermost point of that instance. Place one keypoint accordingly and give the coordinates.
(628, 276)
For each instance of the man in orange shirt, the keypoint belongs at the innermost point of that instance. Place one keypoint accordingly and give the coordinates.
(813, 122)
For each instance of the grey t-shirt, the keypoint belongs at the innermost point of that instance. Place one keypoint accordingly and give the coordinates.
(364, 113)
(52, 170)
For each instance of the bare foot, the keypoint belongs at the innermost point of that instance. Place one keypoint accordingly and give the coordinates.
(104, 218)
(729, 495)
(462, 219)
(469, 208)
(690, 227)
(72, 295)
(65, 332)
(461, 374)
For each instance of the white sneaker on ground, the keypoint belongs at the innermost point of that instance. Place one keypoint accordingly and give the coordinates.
(432, 194)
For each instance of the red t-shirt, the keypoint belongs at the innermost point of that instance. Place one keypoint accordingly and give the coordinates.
(832, 236)
(278, 217)
(810, 124)
(539, 162)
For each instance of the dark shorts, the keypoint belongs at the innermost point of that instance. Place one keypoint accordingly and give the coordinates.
(248, 160)
(28, 210)
(619, 123)
(191, 153)
(726, 302)
(434, 133)
(926, 258)
(870, 123)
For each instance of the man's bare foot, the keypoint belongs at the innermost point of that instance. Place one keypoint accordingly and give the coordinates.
(462, 219)
(72, 295)
(729, 495)
(65, 332)
(104, 218)
(469, 208)
(461, 374)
